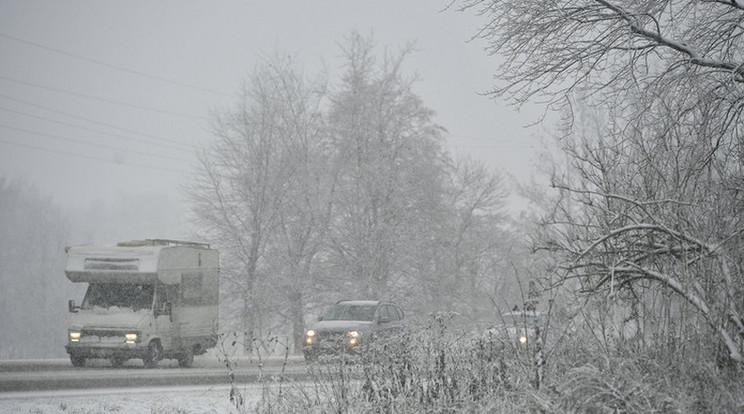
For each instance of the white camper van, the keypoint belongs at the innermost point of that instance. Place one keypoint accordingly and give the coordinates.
(149, 299)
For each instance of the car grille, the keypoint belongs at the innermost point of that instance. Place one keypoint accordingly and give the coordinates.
(102, 336)
(331, 339)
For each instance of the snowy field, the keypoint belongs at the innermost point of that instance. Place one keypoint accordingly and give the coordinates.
(153, 400)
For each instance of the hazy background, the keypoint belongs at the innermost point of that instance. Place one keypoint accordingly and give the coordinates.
(103, 105)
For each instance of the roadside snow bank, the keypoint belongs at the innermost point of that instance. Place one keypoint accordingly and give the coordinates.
(162, 400)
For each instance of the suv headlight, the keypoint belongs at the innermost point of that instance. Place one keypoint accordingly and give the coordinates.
(353, 337)
(75, 336)
(310, 336)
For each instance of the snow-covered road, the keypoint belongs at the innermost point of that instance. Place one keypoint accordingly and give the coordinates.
(39, 376)
(150, 400)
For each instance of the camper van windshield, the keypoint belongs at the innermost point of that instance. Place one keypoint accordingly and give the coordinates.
(108, 295)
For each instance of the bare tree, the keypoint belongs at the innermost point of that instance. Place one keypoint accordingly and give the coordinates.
(650, 192)
(304, 216)
(464, 263)
(389, 158)
(248, 182)
(635, 209)
(314, 195)
(674, 48)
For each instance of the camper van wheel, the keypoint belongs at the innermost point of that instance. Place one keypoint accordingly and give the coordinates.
(117, 361)
(77, 361)
(154, 354)
(186, 359)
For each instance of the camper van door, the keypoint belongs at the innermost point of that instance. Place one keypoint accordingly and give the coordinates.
(164, 318)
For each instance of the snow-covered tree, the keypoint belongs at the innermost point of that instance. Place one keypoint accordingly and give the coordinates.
(650, 192)
(253, 194)
(390, 165)
(314, 194)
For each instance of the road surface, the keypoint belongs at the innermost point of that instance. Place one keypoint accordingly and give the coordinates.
(44, 375)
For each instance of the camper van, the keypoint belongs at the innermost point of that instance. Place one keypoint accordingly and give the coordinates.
(149, 300)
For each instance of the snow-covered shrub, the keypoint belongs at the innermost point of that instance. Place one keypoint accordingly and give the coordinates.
(438, 369)
(426, 369)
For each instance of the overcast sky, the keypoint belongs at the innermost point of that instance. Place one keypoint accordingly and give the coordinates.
(101, 100)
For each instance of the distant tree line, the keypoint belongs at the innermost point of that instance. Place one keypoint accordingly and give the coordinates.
(32, 258)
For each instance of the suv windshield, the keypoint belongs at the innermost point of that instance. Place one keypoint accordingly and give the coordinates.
(107, 295)
(347, 312)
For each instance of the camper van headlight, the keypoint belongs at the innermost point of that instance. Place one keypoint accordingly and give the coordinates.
(74, 336)
(131, 337)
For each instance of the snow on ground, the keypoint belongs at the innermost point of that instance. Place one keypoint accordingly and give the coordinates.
(153, 400)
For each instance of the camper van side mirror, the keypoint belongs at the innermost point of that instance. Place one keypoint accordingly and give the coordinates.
(165, 309)
(72, 307)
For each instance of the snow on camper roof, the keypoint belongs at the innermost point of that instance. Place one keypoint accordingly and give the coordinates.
(90, 258)
(134, 261)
